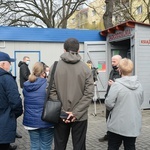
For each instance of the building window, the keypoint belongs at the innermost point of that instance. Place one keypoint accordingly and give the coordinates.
(116, 18)
(139, 10)
(93, 23)
(86, 15)
(104, 8)
(93, 12)
(73, 20)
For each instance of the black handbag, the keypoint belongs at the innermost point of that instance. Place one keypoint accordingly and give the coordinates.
(52, 108)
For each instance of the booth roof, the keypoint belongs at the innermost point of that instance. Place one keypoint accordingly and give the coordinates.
(8, 33)
(121, 27)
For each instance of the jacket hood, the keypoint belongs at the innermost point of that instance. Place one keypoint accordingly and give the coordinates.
(34, 86)
(131, 82)
(70, 57)
(20, 63)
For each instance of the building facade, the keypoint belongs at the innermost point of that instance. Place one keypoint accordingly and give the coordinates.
(136, 10)
(90, 17)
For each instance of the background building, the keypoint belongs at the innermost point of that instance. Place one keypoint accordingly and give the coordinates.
(90, 17)
(136, 10)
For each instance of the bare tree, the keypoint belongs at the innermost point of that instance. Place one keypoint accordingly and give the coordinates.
(39, 13)
(123, 10)
(147, 17)
(127, 10)
(107, 17)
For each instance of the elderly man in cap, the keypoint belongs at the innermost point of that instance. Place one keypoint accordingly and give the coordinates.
(10, 103)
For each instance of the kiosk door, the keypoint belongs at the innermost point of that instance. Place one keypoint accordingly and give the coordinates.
(97, 53)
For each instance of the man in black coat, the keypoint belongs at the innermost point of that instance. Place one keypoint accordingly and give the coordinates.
(24, 70)
(114, 74)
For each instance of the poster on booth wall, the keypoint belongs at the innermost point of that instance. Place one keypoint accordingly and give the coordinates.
(101, 66)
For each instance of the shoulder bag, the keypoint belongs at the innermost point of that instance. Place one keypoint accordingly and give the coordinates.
(52, 108)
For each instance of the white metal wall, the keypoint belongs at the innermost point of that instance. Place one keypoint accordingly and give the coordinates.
(37, 51)
(97, 53)
(142, 61)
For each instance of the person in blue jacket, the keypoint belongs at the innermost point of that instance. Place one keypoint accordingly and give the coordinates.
(10, 102)
(34, 91)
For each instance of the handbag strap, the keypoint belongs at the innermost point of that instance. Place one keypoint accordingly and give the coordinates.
(51, 79)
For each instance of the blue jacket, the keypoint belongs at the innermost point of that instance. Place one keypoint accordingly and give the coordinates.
(10, 107)
(34, 97)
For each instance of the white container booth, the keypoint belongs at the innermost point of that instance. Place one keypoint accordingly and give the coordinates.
(131, 40)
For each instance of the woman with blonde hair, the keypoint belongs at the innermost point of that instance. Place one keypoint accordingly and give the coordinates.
(34, 91)
(124, 101)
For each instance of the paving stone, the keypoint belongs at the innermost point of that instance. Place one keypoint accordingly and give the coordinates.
(96, 129)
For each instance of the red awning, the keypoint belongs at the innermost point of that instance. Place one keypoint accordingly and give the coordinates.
(121, 27)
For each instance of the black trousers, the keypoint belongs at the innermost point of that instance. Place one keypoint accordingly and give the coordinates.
(78, 132)
(4, 146)
(115, 141)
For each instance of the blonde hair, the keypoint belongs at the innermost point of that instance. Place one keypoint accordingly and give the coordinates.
(37, 70)
(126, 66)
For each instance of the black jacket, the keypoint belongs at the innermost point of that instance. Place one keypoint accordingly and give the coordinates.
(24, 72)
(114, 74)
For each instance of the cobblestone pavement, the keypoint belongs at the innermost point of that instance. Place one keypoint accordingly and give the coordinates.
(96, 129)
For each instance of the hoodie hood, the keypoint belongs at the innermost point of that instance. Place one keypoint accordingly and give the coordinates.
(131, 82)
(70, 57)
(34, 86)
(20, 63)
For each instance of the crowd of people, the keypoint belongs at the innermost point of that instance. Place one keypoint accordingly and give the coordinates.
(74, 85)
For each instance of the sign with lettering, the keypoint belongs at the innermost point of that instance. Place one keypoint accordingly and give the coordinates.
(145, 42)
(119, 35)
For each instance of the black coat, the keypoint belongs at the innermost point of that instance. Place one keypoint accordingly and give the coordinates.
(24, 72)
(114, 74)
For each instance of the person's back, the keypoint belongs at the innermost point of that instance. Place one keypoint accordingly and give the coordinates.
(74, 85)
(24, 70)
(124, 100)
(127, 106)
(70, 81)
(34, 91)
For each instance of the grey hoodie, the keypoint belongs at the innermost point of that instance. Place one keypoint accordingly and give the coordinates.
(124, 100)
(73, 84)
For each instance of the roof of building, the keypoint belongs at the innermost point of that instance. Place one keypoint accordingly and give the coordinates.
(121, 27)
(8, 33)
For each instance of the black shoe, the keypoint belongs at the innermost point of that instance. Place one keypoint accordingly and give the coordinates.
(18, 135)
(12, 146)
(105, 138)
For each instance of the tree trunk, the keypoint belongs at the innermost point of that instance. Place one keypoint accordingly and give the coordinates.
(107, 17)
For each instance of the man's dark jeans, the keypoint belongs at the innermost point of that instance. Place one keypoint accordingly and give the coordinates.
(115, 141)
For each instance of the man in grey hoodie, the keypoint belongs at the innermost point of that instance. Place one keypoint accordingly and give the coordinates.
(124, 102)
(74, 85)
